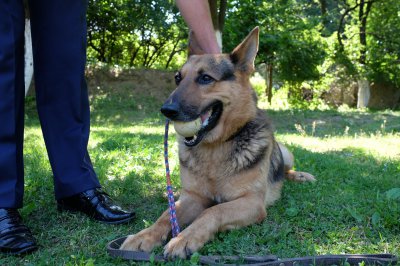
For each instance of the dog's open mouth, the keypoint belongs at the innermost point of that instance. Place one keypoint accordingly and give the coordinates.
(209, 118)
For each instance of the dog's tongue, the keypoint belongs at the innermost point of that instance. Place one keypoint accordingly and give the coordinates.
(205, 116)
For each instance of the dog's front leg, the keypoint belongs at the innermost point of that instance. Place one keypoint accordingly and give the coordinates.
(234, 214)
(188, 207)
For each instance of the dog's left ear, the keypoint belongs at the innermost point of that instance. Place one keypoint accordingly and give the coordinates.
(194, 48)
(244, 54)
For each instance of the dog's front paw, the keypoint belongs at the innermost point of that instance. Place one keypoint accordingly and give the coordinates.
(182, 246)
(145, 240)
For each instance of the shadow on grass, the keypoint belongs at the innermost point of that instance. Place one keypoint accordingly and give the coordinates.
(112, 109)
(124, 107)
(129, 166)
(333, 215)
(118, 110)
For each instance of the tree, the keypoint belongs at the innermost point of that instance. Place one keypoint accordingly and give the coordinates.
(135, 32)
(367, 45)
(290, 45)
(384, 42)
(360, 36)
(363, 8)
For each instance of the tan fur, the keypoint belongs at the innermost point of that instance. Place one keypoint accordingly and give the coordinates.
(230, 177)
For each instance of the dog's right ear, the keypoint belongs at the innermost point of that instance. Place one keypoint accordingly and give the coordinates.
(245, 53)
(194, 47)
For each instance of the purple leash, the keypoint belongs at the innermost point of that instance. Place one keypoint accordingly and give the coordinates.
(171, 202)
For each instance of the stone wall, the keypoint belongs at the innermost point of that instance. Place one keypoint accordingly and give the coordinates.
(383, 96)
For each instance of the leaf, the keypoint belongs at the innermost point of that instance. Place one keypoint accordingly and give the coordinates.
(90, 262)
(375, 219)
(28, 209)
(152, 258)
(195, 259)
(292, 211)
(358, 217)
(393, 194)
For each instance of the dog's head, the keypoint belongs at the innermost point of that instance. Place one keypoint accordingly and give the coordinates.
(215, 89)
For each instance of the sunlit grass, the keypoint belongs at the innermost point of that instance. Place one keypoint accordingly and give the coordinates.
(387, 147)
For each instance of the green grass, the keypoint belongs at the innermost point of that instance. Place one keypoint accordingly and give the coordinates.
(352, 208)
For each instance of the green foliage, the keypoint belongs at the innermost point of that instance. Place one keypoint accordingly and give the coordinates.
(300, 58)
(135, 33)
(289, 38)
(384, 42)
(382, 45)
(298, 38)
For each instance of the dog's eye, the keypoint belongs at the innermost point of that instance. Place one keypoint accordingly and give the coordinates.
(204, 79)
(178, 78)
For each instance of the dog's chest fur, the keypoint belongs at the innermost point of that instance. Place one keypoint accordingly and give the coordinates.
(240, 163)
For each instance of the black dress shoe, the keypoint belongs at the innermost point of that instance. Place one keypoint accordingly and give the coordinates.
(15, 238)
(96, 204)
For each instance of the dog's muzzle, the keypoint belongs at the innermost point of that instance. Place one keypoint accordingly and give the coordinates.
(209, 117)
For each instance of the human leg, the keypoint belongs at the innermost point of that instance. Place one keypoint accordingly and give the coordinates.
(59, 49)
(11, 103)
(15, 238)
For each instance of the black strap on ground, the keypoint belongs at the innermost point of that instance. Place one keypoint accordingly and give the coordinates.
(269, 260)
(346, 259)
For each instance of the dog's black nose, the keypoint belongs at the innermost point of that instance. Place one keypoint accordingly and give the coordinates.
(170, 110)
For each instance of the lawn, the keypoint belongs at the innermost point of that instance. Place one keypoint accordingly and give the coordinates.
(352, 208)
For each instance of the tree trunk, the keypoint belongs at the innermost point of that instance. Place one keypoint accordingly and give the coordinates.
(133, 56)
(218, 34)
(364, 90)
(323, 6)
(364, 93)
(324, 9)
(218, 18)
(175, 50)
(268, 81)
(341, 25)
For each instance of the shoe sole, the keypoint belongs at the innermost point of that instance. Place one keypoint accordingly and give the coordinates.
(73, 210)
(24, 251)
(123, 221)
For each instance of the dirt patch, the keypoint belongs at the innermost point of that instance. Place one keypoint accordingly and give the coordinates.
(156, 83)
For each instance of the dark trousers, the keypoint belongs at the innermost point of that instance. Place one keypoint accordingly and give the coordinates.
(59, 49)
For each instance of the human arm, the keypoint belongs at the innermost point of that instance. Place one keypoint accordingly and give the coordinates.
(197, 15)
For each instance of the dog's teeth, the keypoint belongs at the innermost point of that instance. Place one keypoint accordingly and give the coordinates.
(205, 118)
(205, 122)
(192, 140)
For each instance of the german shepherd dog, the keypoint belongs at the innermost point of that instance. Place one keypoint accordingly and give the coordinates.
(233, 167)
